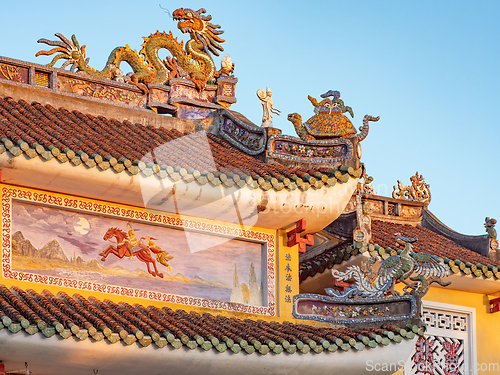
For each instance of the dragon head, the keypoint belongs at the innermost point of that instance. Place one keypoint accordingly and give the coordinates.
(200, 29)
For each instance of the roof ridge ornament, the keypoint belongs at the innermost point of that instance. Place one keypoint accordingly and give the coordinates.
(489, 224)
(267, 107)
(329, 120)
(418, 191)
(192, 61)
(397, 267)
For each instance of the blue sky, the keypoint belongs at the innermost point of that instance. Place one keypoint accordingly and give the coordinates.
(429, 69)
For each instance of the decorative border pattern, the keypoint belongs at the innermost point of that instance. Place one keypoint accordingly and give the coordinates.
(354, 302)
(249, 139)
(84, 205)
(318, 143)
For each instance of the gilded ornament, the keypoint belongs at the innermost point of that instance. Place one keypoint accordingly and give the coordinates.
(418, 191)
(194, 62)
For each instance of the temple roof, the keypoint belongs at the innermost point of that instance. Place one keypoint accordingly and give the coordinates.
(428, 241)
(457, 257)
(71, 136)
(79, 317)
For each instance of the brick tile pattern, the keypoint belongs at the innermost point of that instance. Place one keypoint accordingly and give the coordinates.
(428, 242)
(47, 132)
(458, 258)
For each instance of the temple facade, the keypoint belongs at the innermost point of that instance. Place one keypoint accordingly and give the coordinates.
(147, 227)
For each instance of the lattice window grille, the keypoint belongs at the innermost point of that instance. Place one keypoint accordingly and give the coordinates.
(445, 320)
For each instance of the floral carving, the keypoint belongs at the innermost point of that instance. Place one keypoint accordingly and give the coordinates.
(339, 311)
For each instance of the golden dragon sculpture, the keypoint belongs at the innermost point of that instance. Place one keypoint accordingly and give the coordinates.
(193, 62)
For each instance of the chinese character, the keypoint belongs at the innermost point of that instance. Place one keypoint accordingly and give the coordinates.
(288, 257)
(288, 289)
(423, 358)
(451, 358)
(288, 277)
(288, 269)
(288, 299)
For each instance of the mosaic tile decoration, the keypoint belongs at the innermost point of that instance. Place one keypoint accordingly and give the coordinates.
(319, 151)
(349, 310)
(249, 139)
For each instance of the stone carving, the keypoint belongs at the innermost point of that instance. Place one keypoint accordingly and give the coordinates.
(294, 149)
(102, 92)
(329, 120)
(227, 67)
(13, 73)
(365, 187)
(267, 107)
(489, 224)
(351, 311)
(418, 191)
(429, 269)
(193, 62)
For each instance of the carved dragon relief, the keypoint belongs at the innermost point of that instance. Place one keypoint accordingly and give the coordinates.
(193, 62)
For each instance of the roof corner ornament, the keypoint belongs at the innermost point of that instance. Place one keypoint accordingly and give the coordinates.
(366, 186)
(418, 191)
(329, 120)
(489, 224)
(398, 267)
(267, 107)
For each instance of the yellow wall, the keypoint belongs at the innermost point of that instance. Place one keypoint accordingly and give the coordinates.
(487, 326)
(287, 275)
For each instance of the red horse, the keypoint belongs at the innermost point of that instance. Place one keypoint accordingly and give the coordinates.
(125, 248)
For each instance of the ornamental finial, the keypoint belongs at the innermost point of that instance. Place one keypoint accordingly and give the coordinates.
(418, 191)
(267, 107)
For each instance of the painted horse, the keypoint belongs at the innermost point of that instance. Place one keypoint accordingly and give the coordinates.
(124, 247)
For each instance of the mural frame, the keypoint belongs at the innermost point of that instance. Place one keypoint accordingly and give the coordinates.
(141, 215)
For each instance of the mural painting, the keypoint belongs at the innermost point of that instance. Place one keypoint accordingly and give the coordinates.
(75, 245)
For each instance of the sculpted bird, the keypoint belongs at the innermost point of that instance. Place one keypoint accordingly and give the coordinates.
(429, 268)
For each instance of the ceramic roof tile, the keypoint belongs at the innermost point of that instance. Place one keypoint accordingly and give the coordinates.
(322, 261)
(44, 131)
(458, 258)
(77, 316)
(428, 242)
